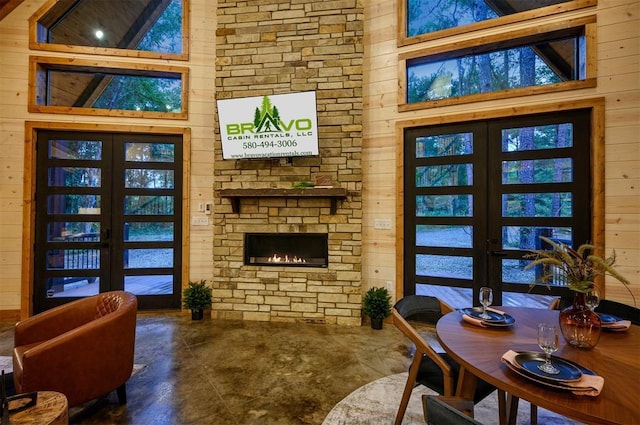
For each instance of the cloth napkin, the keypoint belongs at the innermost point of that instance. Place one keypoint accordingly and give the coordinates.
(590, 385)
(473, 320)
(620, 325)
(478, 322)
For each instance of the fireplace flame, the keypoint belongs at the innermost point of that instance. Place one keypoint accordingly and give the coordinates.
(276, 258)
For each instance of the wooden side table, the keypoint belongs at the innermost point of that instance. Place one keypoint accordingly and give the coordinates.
(50, 409)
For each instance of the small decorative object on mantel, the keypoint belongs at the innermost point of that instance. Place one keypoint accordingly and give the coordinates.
(323, 181)
(377, 305)
(302, 184)
(579, 325)
(197, 297)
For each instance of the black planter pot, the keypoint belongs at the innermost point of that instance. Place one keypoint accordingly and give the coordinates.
(197, 314)
(376, 323)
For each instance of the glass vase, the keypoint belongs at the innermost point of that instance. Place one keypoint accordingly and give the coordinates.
(579, 325)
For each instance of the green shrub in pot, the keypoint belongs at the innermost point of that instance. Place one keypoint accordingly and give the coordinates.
(197, 297)
(377, 305)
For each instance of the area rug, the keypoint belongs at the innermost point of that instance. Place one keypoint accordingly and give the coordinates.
(377, 403)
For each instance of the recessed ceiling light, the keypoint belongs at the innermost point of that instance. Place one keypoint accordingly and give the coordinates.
(99, 34)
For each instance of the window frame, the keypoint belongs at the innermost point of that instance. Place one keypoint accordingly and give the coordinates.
(478, 45)
(404, 40)
(105, 51)
(31, 129)
(39, 65)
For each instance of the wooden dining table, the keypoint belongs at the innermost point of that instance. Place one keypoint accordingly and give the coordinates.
(616, 358)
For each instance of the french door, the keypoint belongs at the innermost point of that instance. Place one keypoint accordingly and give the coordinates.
(478, 195)
(108, 217)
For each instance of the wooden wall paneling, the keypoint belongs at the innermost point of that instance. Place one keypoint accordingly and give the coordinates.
(14, 56)
(28, 221)
(6, 6)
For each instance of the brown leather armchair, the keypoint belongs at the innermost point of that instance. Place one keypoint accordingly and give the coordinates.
(83, 349)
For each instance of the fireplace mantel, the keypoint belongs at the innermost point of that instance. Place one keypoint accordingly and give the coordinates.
(332, 193)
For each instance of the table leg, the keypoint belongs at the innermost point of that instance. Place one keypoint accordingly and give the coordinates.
(466, 384)
(502, 408)
(512, 409)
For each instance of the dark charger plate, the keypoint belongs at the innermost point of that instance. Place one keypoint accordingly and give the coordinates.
(476, 313)
(497, 320)
(608, 319)
(529, 361)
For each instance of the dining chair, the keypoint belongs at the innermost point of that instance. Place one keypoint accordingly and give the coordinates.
(621, 310)
(440, 410)
(432, 369)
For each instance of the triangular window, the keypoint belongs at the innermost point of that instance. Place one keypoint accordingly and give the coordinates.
(142, 28)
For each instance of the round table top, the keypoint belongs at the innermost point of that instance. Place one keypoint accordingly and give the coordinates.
(616, 358)
(50, 409)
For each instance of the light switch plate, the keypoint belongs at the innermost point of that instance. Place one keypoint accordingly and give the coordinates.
(199, 221)
(382, 224)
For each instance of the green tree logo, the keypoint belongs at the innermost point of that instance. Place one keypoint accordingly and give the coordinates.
(266, 119)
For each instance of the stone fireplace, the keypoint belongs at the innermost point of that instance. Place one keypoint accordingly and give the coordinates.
(312, 46)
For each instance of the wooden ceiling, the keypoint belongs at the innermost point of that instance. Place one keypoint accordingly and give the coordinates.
(6, 6)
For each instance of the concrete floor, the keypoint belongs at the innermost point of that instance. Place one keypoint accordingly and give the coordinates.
(233, 372)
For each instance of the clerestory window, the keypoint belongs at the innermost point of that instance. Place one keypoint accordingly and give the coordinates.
(136, 28)
(421, 20)
(513, 64)
(77, 86)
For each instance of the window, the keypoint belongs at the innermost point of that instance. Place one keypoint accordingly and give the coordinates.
(422, 20)
(144, 28)
(514, 64)
(77, 86)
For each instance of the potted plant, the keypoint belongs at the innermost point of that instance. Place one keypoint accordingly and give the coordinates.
(377, 305)
(197, 297)
(579, 325)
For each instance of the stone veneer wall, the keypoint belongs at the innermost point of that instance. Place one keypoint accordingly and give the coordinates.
(267, 47)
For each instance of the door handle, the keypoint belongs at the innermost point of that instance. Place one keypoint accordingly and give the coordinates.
(106, 235)
(499, 253)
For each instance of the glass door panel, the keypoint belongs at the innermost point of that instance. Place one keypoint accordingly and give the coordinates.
(440, 174)
(537, 193)
(71, 253)
(151, 193)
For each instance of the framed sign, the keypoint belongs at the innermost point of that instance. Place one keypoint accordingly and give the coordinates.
(283, 125)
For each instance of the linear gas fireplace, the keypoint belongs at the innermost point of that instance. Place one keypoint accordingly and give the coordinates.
(286, 249)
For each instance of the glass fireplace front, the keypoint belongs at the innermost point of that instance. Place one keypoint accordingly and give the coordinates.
(286, 249)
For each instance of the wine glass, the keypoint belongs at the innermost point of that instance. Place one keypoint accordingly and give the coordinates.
(548, 341)
(486, 298)
(592, 299)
